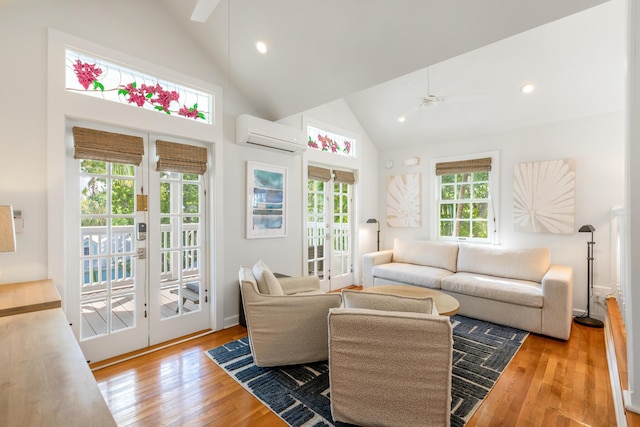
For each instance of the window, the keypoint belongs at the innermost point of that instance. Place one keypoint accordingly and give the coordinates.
(465, 200)
(322, 140)
(98, 78)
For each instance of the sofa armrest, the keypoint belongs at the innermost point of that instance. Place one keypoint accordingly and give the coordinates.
(557, 310)
(296, 285)
(371, 259)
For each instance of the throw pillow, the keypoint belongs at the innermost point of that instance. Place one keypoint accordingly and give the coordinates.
(267, 282)
(387, 302)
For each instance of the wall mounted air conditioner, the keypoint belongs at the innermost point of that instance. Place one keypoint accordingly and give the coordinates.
(259, 133)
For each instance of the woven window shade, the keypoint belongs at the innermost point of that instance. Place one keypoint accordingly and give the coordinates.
(344, 177)
(319, 174)
(94, 144)
(473, 165)
(173, 157)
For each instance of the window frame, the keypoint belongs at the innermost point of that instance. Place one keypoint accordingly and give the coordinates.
(493, 213)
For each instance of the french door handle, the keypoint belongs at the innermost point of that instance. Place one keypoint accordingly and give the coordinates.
(141, 253)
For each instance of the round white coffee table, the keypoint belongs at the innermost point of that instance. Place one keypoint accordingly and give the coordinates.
(446, 304)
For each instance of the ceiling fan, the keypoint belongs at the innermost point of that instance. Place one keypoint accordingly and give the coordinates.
(204, 9)
(428, 99)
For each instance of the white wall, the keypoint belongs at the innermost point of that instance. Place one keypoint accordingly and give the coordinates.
(598, 146)
(631, 266)
(285, 255)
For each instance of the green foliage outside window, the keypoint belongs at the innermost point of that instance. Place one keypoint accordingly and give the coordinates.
(464, 205)
(93, 198)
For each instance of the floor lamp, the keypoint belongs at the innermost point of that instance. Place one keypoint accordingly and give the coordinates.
(587, 320)
(375, 221)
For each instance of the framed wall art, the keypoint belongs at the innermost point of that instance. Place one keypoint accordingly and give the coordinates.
(403, 201)
(266, 201)
(544, 196)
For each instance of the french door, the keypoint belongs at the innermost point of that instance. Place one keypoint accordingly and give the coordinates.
(136, 246)
(330, 232)
(177, 268)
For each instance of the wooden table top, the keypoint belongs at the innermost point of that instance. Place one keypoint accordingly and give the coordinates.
(25, 297)
(45, 379)
(446, 304)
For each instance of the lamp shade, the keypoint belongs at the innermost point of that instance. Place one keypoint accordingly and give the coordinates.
(587, 228)
(7, 230)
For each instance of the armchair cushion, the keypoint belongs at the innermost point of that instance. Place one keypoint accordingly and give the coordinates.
(267, 282)
(387, 302)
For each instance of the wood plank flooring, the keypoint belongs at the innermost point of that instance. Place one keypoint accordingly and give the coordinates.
(548, 383)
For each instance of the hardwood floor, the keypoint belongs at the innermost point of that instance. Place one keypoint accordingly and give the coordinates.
(553, 383)
(548, 383)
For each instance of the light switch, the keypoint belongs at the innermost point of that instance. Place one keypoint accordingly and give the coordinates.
(18, 221)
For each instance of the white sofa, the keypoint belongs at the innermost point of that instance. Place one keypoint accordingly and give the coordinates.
(512, 287)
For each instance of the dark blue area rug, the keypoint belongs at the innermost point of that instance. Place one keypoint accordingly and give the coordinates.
(299, 394)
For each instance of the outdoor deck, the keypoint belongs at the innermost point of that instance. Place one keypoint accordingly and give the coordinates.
(94, 314)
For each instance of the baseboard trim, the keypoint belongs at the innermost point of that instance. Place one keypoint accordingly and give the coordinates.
(626, 395)
(231, 321)
(614, 377)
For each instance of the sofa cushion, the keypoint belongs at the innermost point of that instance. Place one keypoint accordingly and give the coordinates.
(513, 291)
(266, 280)
(522, 264)
(426, 252)
(419, 275)
(387, 302)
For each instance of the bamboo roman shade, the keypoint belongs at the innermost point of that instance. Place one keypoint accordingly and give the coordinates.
(344, 177)
(94, 144)
(472, 165)
(323, 174)
(319, 174)
(173, 157)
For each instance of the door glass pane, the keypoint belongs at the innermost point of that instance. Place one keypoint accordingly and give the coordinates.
(94, 317)
(316, 230)
(341, 257)
(181, 219)
(107, 212)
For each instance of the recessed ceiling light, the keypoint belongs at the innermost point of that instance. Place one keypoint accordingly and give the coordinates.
(401, 119)
(527, 88)
(262, 47)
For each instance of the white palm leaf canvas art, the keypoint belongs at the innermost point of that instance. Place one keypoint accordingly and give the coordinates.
(403, 201)
(544, 196)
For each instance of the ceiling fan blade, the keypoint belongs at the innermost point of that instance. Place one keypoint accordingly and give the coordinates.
(204, 9)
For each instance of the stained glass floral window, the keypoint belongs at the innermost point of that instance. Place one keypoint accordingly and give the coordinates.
(102, 79)
(322, 140)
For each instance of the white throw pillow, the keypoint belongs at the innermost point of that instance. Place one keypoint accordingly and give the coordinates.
(387, 302)
(267, 282)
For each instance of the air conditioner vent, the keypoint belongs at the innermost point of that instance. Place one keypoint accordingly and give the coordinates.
(259, 133)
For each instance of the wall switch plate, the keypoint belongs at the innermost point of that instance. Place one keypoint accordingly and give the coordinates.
(18, 221)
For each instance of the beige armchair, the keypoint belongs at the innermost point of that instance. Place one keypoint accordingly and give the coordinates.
(289, 325)
(389, 368)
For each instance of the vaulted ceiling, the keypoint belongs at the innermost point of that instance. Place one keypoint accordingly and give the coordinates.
(374, 54)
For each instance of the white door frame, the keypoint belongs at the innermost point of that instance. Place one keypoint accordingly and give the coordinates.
(149, 328)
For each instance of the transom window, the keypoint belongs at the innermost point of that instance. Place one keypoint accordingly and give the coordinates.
(464, 200)
(322, 140)
(101, 79)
